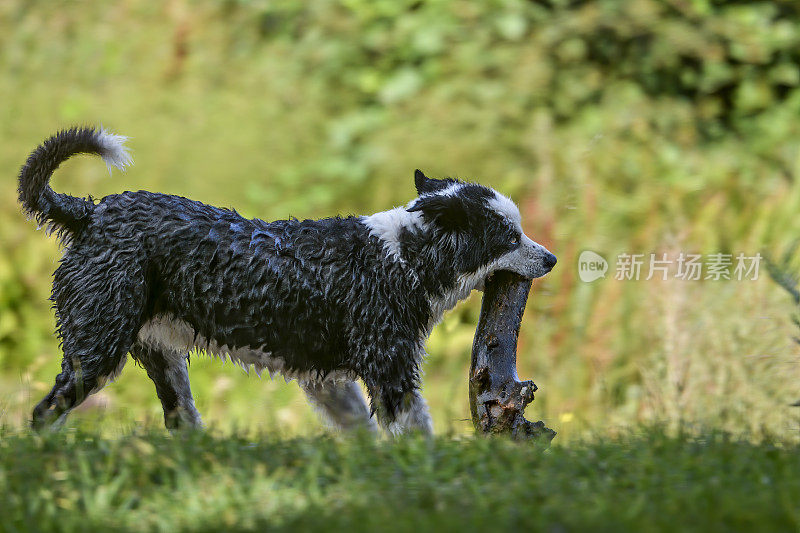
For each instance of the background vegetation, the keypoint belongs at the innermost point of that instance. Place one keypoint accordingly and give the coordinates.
(619, 126)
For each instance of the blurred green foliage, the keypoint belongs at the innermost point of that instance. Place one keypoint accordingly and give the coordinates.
(632, 126)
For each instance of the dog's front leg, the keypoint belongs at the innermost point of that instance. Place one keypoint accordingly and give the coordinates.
(412, 416)
(340, 403)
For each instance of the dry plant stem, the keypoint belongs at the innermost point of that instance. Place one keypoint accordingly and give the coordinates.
(497, 397)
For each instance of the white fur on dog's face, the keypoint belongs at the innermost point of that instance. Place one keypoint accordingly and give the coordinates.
(530, 259)
(479, 229)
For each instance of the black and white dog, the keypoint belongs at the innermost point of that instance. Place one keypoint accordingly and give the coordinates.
(323, 301)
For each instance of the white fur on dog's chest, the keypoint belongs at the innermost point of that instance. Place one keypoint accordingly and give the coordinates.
(176, 338)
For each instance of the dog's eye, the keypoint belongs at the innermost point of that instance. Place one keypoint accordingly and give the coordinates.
(514, 241)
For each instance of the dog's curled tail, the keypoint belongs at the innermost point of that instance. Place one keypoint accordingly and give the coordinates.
(61, 211)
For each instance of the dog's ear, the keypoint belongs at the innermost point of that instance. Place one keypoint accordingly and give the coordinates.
(449, 212)
(426, 185)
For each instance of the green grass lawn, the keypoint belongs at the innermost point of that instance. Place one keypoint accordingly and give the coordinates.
(622, 126)
(643, 480)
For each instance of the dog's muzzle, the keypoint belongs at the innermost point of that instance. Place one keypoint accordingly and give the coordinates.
(530, 259)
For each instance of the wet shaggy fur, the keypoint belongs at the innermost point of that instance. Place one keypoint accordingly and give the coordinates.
(324, 301)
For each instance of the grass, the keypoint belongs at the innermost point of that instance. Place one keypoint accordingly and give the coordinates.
(644, 480)
(282, 109)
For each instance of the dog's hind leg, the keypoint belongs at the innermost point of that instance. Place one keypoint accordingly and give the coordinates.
(76, 382)
(98, 310)
(170, 374)
(340, 403)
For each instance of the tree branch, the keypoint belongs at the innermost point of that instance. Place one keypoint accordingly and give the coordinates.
(497, 397)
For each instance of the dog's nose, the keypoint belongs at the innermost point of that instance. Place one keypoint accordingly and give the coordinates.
(550, 261)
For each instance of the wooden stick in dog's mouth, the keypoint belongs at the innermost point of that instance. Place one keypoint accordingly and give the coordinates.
(496, 395)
